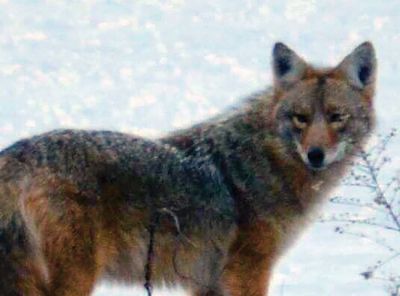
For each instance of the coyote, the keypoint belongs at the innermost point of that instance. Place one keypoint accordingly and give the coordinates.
(211, 207)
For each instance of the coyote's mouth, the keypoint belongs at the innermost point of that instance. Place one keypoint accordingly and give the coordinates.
(319, 158)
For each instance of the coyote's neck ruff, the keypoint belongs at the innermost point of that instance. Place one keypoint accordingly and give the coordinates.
(221, 199)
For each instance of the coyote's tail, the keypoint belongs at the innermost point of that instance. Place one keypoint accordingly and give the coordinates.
(13, 249)
(20, 273)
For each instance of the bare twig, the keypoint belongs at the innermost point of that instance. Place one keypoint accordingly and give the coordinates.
(383, 205)
(150, 254)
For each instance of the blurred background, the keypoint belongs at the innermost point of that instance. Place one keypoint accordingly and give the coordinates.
(148, 67)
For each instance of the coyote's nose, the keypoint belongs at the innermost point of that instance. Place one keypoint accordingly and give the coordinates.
(316, 157)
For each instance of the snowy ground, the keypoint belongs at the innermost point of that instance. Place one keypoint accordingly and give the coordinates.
(150, 66)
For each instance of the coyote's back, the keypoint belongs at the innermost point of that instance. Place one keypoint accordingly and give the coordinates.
(211, 207)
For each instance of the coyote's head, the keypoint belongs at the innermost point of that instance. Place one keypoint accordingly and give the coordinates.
(323, 113)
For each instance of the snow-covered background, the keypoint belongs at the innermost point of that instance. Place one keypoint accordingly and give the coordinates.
(149, 66)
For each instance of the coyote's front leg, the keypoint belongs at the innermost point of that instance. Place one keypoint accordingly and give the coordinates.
(251, 259)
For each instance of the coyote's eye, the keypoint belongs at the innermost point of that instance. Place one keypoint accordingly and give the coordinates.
(300, 121)
(338, 120)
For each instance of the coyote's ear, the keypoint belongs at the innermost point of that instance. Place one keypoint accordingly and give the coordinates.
(287, 66)
(359, 67)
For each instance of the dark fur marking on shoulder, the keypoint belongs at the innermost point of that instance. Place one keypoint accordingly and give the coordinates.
(243, 207)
